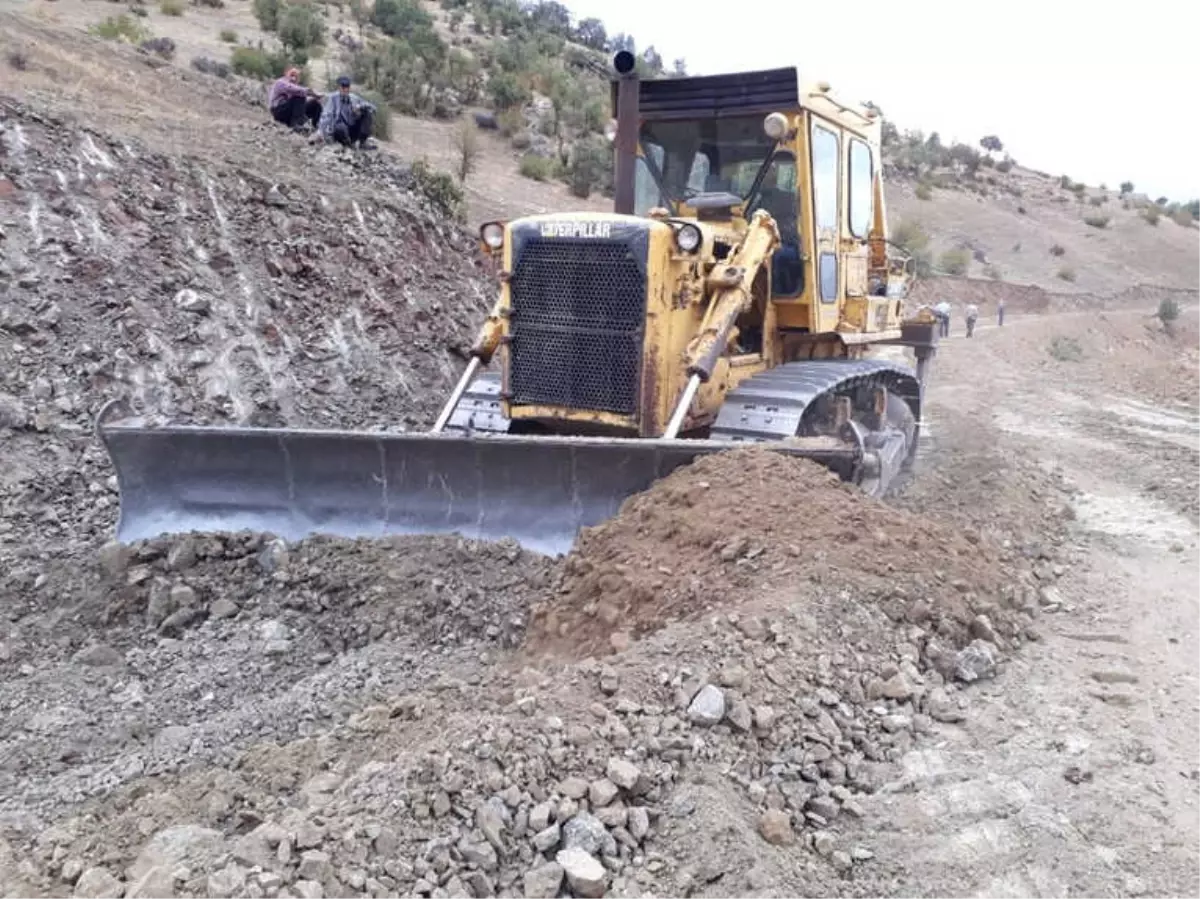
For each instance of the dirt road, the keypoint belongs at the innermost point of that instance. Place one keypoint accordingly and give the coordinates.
(1076, 771)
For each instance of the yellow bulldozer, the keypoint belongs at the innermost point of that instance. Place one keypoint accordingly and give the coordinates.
(730, 298)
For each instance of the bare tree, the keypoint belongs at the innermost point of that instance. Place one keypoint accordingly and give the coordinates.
(466, 148)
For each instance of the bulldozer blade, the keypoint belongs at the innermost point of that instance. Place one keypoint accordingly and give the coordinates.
(538, 490)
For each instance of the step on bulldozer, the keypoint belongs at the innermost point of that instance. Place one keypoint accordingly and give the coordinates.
(732, 297)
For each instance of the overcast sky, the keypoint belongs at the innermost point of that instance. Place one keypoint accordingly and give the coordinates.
(1101, 91)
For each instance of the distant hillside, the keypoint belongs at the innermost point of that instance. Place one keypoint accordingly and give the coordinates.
(973, 211)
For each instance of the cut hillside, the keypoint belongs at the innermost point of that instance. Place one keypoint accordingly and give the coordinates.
(202, 289)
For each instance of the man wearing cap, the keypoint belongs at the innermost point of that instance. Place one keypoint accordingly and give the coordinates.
(347, 118)
(292, 103)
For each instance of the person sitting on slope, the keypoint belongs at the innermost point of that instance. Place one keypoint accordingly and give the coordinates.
(292, 103)
(347, 118)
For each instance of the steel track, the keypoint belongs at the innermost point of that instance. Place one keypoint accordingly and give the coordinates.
(780, 403)
(769, 407)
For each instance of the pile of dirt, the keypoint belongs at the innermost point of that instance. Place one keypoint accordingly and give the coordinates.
(758, 732)
(712, 533)
(203, 292)
(231, 715)
(348, 592)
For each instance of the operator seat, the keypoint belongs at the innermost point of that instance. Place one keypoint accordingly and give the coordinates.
(787, 267)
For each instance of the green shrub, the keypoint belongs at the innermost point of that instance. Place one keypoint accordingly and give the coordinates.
(924, 191)
(512, 124)
(507, 92)
(1057, 250)
(228, 36)
(120, 28)
(1066, 273)
(1097, 221)
(955, 262)
(1066, 349)
(1168, 310)
(1004, 165)
(262, 64)
(439, 188)
(300, 27)
(993, 272)
(538, 168)
(590, 167)
(267, 13)
(911, 238)
(1151, 215)
(211, 4)
(171, 7)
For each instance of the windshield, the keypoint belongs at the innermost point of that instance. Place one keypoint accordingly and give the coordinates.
(697, 156)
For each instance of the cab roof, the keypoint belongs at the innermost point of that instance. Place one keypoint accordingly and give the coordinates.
(745, 93)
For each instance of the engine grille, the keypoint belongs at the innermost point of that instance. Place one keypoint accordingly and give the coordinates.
(578, 315)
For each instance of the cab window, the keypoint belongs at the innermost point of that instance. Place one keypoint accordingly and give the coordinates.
(862, 198)
(646, 194)
(777, 195)
(825, 178)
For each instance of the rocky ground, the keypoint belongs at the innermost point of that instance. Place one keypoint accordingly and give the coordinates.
(752, 681)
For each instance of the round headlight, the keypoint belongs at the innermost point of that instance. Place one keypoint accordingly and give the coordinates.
(492, 234)
(687, 238)
(610, 130)
(775, 125)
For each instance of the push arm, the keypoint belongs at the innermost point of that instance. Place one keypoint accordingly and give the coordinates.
(732, 282)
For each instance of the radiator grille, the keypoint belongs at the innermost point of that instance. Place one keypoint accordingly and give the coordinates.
(578, 313)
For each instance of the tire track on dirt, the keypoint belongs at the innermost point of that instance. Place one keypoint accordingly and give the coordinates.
(1076, 769)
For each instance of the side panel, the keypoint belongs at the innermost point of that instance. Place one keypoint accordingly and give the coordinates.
(672, 318)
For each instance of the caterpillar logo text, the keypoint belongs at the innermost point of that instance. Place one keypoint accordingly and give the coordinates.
(577, 229)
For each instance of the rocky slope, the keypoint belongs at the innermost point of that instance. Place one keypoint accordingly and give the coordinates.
(206, 292)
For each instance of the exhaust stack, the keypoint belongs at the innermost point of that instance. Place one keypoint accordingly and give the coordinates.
(627, 131)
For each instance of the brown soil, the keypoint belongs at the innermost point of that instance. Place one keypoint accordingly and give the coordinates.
(710, 534)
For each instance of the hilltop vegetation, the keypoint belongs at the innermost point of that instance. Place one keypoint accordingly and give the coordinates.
(541, 76)
(522, 87)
